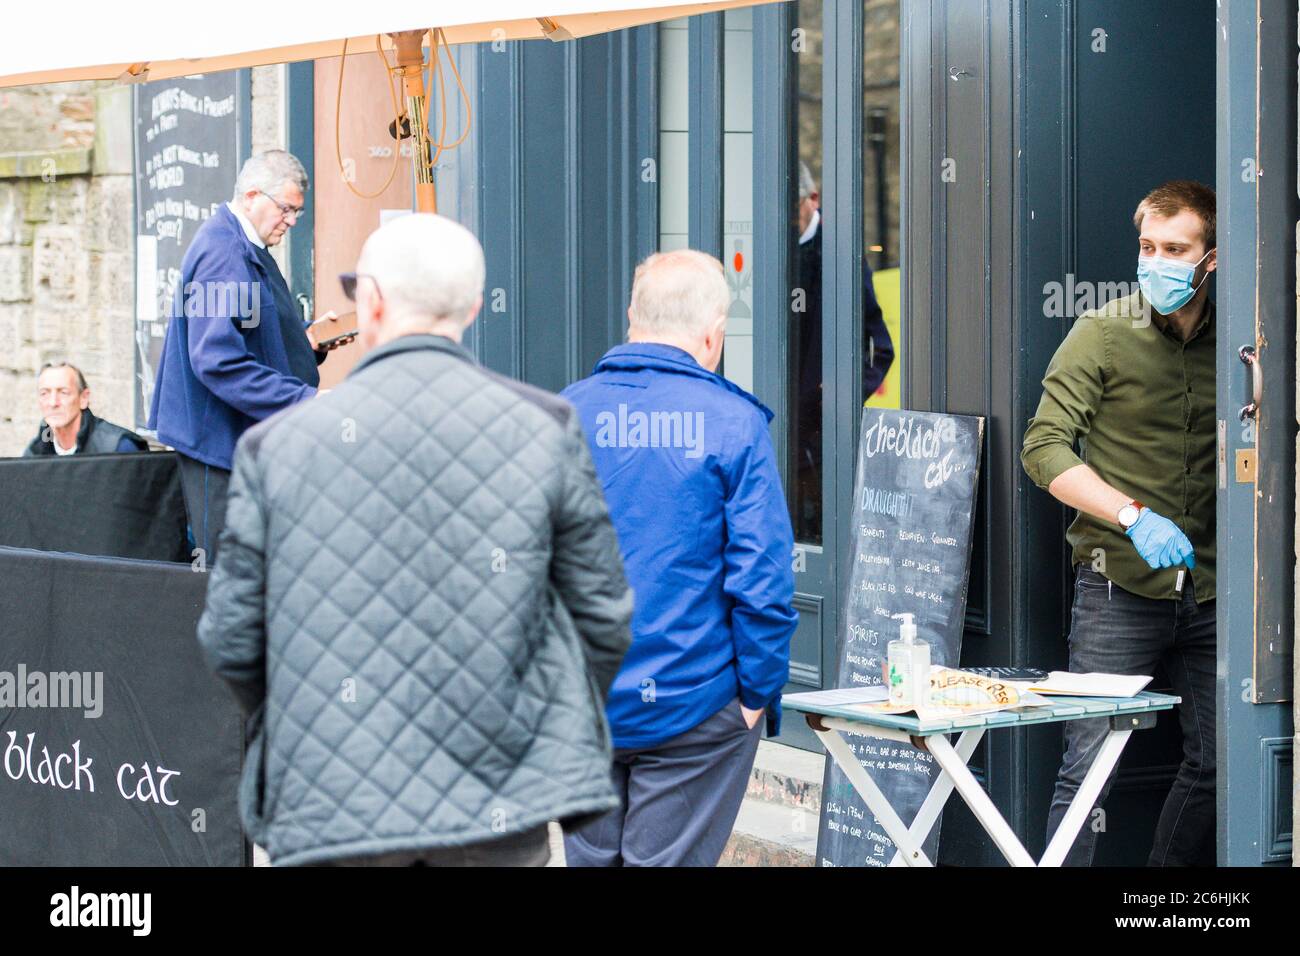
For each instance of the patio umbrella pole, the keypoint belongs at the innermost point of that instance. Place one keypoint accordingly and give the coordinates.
(410, 67)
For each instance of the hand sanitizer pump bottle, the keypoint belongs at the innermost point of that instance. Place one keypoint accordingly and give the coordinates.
(909, 666)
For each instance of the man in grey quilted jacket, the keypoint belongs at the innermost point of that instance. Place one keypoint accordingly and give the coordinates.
(420, 603)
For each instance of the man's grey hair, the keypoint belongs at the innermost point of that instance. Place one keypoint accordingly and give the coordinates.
(426, 266)
(267, 172)
(63, 363)
(806, 184)
(678, 292)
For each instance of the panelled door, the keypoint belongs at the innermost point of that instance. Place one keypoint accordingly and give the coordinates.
(1257, 215)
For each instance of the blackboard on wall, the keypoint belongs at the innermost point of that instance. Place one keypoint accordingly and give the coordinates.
(190, 138)
(912, 521)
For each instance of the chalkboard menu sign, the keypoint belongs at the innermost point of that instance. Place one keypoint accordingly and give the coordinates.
(913, 514)
(187, 154)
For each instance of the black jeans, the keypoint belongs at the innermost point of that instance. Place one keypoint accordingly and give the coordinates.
(1116, 632)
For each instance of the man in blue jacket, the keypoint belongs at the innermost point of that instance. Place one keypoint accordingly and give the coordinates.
(236, 350)
(690, 477)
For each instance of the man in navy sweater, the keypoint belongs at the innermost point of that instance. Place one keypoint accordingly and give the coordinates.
(236, 349)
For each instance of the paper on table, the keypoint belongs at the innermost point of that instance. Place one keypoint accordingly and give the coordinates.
(839, 697)
(1064, 683)
(956, 693)
(925, 713)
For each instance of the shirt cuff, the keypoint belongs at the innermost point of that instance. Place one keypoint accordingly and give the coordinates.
(1045, 464)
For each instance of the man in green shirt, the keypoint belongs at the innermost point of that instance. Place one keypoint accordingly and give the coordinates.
(1132, 386)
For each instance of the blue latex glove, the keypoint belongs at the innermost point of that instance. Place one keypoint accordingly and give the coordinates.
(1161, 543)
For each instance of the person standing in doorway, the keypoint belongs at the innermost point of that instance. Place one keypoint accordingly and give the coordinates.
(1133, 386)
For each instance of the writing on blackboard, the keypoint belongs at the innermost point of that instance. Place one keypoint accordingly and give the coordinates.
(166, 107)
(176, 153)
(907, 438)
(858, 632)
(175, 98)
(910, 438)
(894, 503)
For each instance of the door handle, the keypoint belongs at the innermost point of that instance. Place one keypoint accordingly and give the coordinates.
(1248, 356)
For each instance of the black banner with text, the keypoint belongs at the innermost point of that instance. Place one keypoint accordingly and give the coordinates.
(117, 745)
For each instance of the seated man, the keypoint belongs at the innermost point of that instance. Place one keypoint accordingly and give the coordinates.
(69, 426)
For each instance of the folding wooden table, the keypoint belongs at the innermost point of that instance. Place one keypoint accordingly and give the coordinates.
(1126, 714)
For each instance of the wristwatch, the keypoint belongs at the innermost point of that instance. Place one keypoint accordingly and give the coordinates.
(1129, 514)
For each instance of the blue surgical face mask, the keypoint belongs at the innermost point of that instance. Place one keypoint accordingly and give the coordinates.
(1167, 283)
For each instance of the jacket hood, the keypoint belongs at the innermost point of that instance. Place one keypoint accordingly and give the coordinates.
(651, 356)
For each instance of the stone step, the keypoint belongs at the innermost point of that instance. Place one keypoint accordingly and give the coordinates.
(777, 823)
(767, 834)
(787, 776)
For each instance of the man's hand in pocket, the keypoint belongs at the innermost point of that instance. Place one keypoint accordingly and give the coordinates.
(751, 716)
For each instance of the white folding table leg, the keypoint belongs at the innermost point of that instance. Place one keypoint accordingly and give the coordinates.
(1081, 805)
(979, 802)
(925, 818)
(876, 801)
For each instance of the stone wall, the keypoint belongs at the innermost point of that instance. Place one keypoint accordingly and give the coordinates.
(269, 130)
(66, 261)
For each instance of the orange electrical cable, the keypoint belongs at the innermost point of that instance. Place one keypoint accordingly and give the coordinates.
(442, 102)
(439, 39)
(397, 123)
(464, 95)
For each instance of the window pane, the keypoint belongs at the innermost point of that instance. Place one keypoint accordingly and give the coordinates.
(882, 337)
(738, 193)
(806, 328)
(674, 134)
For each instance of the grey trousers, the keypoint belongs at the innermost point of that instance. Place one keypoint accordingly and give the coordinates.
(204, 488)
(528, 848)
(679, 800)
